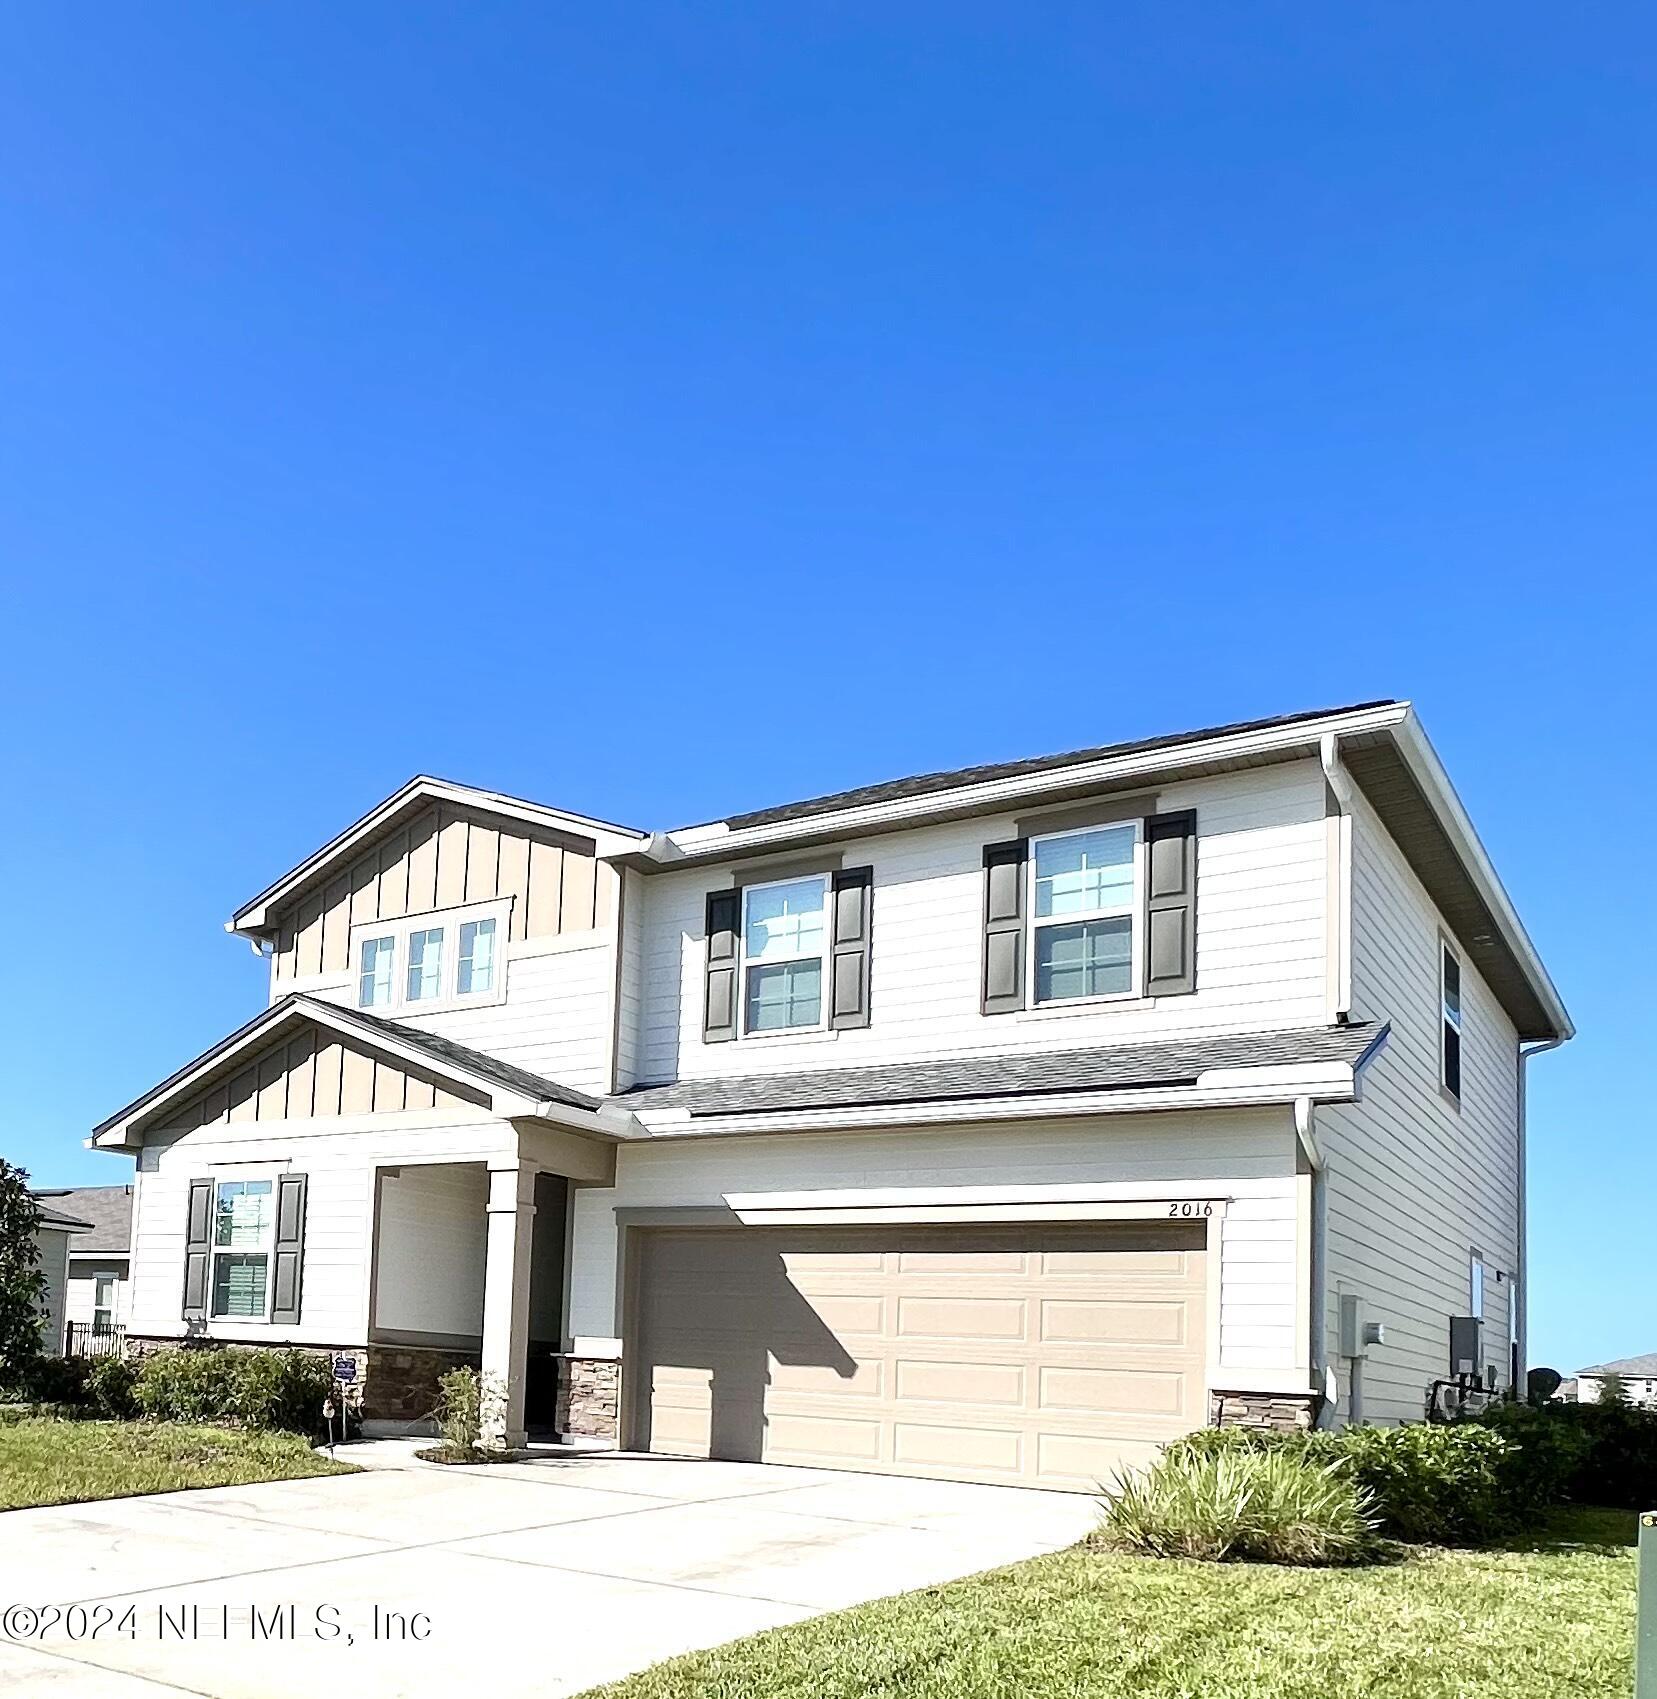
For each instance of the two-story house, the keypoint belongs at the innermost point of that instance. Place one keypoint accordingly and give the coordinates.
(998, 1124)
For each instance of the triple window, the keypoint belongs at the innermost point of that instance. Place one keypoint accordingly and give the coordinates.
(429, 961)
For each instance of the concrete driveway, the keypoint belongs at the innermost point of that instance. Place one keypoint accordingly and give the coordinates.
(540, 1577)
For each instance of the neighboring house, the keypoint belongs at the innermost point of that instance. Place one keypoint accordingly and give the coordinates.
(1638, 1376)
(99, 1259)
(999, 1123)
(1567, 1393)
(53, 1233)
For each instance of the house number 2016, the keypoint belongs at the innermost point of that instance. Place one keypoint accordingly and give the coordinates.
(1190, 1211)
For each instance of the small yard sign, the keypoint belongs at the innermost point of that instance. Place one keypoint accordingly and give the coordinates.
(345, 1369)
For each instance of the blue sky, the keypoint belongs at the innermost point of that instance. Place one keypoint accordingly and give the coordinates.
(556, 400)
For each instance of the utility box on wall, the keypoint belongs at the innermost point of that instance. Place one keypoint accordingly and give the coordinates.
(1352, 1325)
(1466, 1353)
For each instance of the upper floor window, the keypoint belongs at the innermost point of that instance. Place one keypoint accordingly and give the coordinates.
(1085, 899)
(783, 936)
(1450, 1021)
(430, 961)
(244, 1219)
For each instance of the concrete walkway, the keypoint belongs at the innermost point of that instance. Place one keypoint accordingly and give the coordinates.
(541, 1577)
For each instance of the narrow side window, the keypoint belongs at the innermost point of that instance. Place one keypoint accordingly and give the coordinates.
(1449, 1050)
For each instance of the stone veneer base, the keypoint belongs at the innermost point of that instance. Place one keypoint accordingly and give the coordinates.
(394, 1383)
(1278, 1412)
(589, 1398)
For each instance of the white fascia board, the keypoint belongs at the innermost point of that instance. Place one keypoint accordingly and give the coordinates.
(253, 917)
(115, 1133)
(1429, 772)
(716, 841)
(1240, 1090)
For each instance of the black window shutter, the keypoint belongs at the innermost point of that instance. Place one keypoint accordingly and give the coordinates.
(288, 1255)
(198, 1249)
(852, 933)
(1171, 903)
(1004, 864)
(720, 1000)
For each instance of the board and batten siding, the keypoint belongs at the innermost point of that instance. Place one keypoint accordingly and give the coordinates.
(340, 1158)
(312, 1077)
(53, 1244)
(1414, 1183)
(1262, 906)
(1244, 1155)
(445, 857)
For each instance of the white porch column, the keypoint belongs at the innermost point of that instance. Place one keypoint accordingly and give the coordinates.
(506, 1299)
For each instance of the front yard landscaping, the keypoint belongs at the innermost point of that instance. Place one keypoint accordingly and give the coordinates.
(43, 1461)
(1552, 1618)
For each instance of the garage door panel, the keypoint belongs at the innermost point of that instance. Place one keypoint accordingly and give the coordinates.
(1043, 1354)
(961, 1318)
(945, 1382)
(1100, 1321)
(1112, 1392)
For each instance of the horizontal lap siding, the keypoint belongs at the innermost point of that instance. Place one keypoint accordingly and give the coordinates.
(339, 1212)
(1249, 1153)
(1413, 1185)
(1261, 946)
(555, 1021)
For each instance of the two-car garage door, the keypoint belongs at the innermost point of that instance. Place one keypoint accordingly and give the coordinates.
(1045, 1355)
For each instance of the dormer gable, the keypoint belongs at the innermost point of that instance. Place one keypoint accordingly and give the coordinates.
(434, 845)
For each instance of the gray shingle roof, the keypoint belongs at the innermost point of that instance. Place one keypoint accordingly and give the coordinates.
(106, 1210)
(921, 784)
(476, 1062)
(1643, 1367)
(57, 1219)
(1114, 1069)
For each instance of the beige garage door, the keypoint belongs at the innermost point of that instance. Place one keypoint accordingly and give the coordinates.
(1034, 1355)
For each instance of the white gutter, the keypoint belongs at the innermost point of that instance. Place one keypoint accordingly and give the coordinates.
(1317, 1317)
(1340, 877)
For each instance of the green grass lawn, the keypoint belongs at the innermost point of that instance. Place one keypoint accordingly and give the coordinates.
(47, 1462)
(1551, 1620)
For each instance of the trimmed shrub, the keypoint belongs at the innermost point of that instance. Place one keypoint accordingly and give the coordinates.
(110, 1384)
(184, 1385)
(1433, 1483)
(49, 1380)
(1270, 1506)
(261, 1389)
(1588, 1453)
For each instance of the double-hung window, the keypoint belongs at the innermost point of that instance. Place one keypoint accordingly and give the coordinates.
(783, 936)
(103, 1303)
(244, 1221)
(1449, 987)
(1085, 888)
(430, 960)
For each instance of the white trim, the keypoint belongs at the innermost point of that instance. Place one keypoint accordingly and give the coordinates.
(260, 1176)
(609, 838)
(1326, 1084)
(718, 840)
(821, 956)
(1129, 912)
(943, 1214)
(448, 922)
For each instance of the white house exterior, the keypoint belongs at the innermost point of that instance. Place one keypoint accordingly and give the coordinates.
(55, 1232)
(999, 1124)
(1638, 1377)
(98, 1278)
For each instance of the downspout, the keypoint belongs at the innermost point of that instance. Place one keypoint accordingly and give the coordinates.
(1339, 781)
(1318, 1254)
(1521, 1331)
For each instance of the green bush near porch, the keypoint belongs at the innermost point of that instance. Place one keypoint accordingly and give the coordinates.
(260, 1389)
